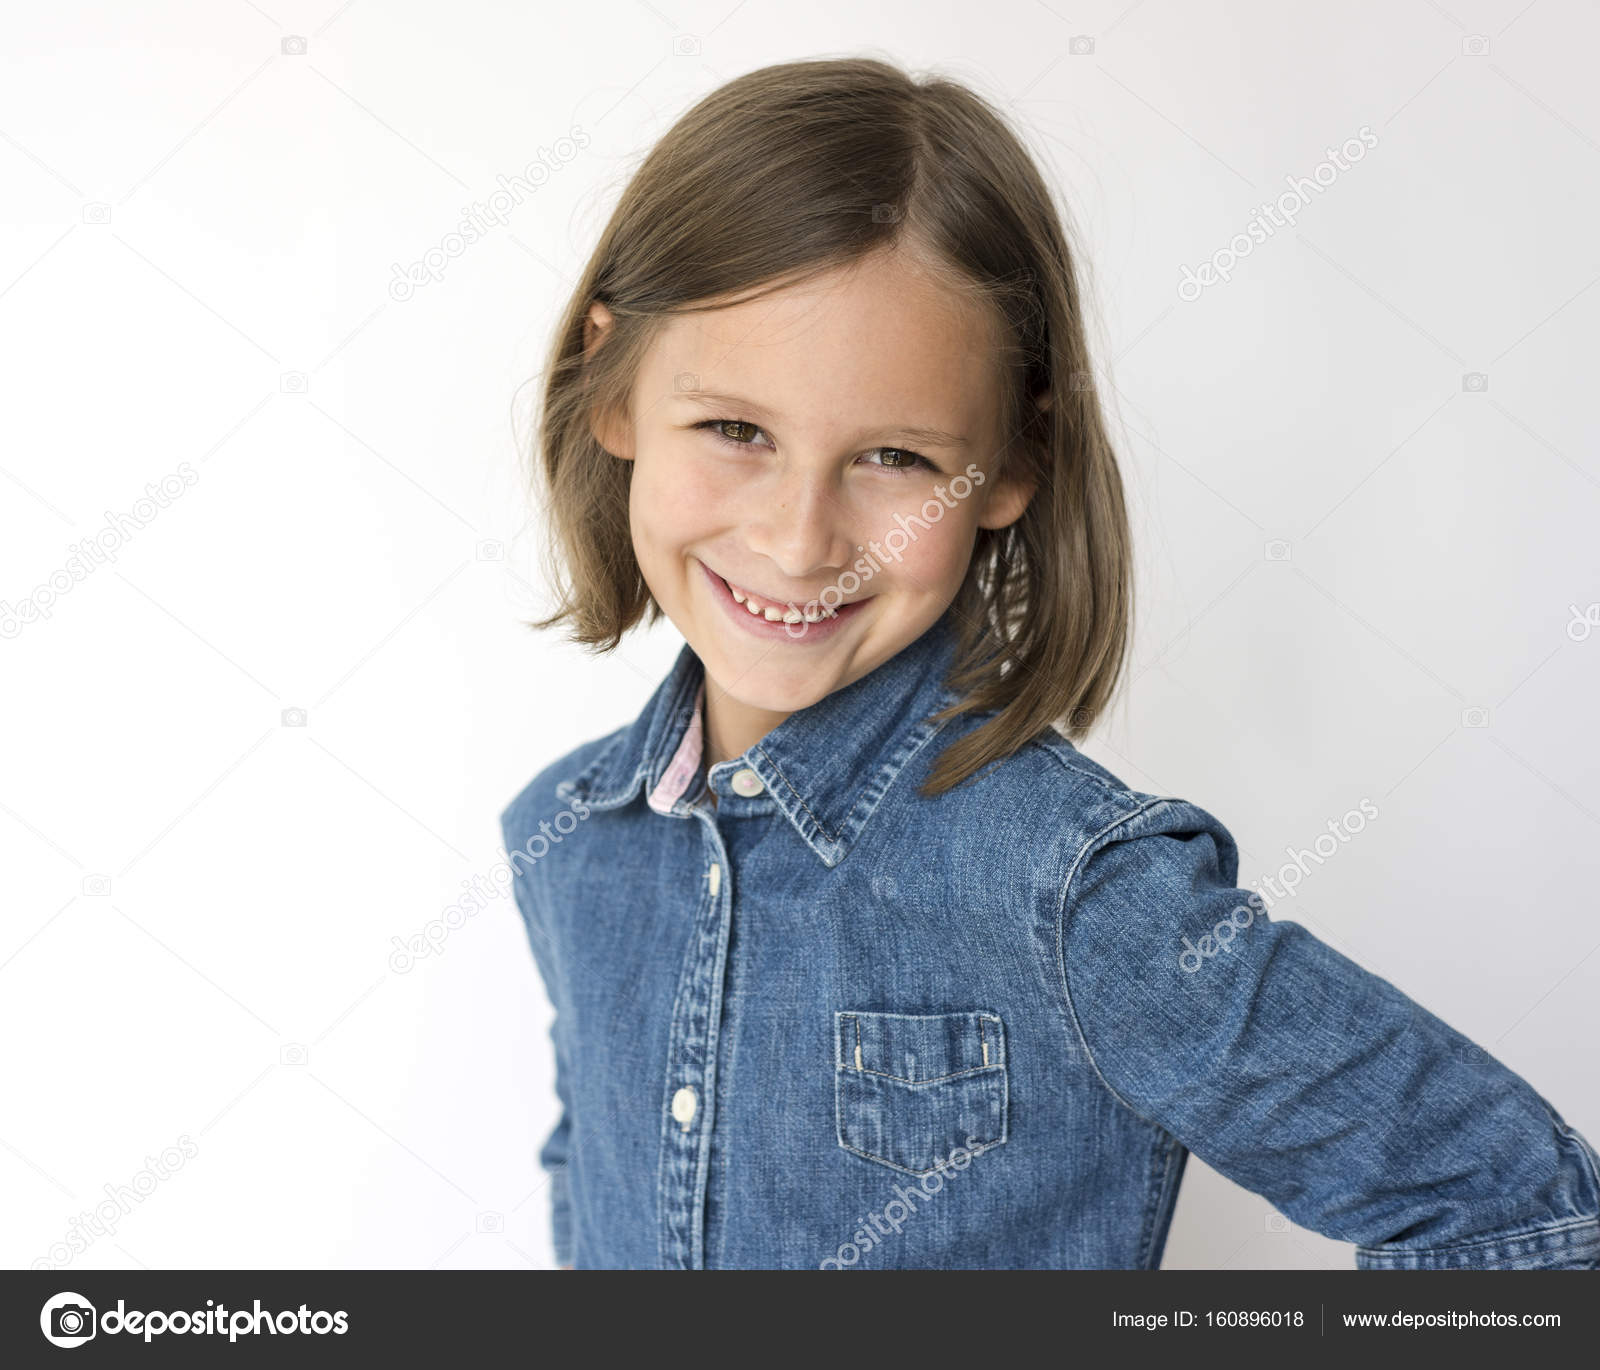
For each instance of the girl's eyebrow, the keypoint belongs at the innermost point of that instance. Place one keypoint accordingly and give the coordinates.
(921, 435)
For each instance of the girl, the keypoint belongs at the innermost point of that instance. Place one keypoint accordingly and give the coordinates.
(856, 959)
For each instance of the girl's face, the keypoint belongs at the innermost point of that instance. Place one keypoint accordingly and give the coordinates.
(830, 447)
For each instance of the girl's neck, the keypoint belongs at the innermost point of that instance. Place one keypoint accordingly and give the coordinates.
(731, 727)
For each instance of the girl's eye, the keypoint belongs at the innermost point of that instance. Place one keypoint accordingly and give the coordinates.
(739, 433)
(742, 436)
(904, 460)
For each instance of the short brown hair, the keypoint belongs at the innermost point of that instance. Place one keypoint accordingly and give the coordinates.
(788, 172)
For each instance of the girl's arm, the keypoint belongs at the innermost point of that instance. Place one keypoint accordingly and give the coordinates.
(1296, 1073)
(553, 1157)
(553, 1154)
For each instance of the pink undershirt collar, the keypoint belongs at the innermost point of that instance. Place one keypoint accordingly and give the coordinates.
(675, 780)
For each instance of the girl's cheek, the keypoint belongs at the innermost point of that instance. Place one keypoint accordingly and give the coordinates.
(674, 493)
(935, 555)
(705, 484)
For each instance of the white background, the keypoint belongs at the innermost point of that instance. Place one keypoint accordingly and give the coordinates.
(233, 984)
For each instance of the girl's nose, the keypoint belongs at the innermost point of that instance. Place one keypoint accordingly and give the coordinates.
(802, 526)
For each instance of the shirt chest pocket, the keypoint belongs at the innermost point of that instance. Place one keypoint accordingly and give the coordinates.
(911, 1089)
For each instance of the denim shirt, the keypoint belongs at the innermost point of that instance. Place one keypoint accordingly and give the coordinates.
(831, 1023)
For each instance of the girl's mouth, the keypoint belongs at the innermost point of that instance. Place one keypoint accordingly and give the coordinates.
(788, 622)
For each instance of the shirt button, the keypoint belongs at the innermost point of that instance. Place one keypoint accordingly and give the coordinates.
(683, 1103)
(747, 783)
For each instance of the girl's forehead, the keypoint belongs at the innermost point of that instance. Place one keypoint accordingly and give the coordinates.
(880, 327)
(881, 290)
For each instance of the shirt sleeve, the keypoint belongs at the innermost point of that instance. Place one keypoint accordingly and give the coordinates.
(553, 1157)
(1300, 1075)
(553, 1154)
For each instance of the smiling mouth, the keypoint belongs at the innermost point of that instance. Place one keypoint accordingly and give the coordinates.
(783, 611)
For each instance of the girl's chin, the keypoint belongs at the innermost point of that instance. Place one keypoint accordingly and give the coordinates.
(752, 683)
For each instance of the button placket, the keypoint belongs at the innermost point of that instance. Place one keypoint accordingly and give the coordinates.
(691, 1071)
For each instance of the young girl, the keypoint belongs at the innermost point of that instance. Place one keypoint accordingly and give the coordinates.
(856, 959)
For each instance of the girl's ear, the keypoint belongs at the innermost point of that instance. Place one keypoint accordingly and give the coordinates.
(596, 326)
(613, 435)
(1004, 503)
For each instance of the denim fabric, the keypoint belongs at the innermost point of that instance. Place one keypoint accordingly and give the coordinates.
(829, 1022)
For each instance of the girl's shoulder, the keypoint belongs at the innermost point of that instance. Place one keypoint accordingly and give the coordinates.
(1064, 807)
(1078, 769)
(550, 791)
(1050, 777)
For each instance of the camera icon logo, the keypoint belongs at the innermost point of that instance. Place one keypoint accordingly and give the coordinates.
(490, 550)
(686, 45)
(67, 1320)
(1475, 382)
(292, 1055)
(293, 718)
(1080, 45)
(886, 214)
(1475, 45)
(686, 380)
(293, 383)
(491, 1222)
(1276, 1222)
(1474, 718)
(293, 46)
(97, 212)
(97, 884)
(1276, 550)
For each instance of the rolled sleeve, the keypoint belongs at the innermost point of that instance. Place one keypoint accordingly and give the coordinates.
(1300, 1075)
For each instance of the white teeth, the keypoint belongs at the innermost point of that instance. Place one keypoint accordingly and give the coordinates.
(773, 614)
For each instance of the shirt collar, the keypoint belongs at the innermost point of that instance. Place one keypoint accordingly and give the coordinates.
(825, 767)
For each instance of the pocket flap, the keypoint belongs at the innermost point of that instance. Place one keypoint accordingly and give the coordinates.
(919, 1048)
